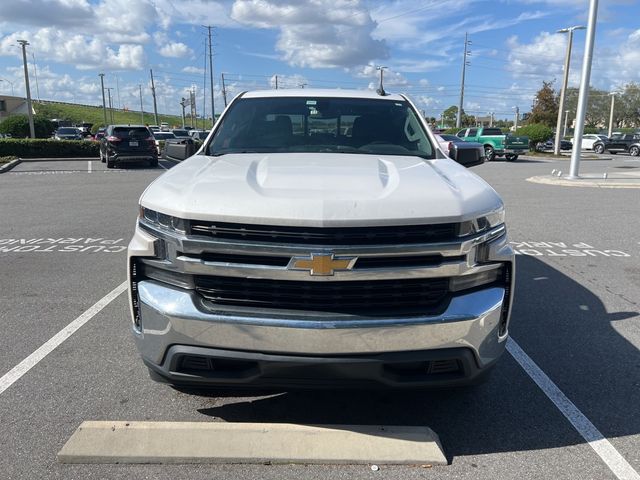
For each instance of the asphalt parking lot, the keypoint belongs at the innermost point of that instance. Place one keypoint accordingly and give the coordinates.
(576, 317)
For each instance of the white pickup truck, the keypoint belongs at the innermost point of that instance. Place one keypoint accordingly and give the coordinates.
(320, 238)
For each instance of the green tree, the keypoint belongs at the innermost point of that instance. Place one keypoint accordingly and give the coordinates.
(627, 110)
(598, 107)
(18, 126)
(449, 115)
(537, 132)
(545, 106)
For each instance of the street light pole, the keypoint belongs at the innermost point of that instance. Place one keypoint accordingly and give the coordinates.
(32, 129)
(566, 117)
(141, 106)
(583, 96)
(515, 125)
(466, 53)
(565, 80)
(10, 83)
(104, 104)
(613, 101)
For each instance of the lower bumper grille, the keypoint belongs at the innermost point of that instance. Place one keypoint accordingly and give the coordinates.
(425, 296)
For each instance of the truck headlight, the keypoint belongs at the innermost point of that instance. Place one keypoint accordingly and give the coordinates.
(164, 221)
(481, 224)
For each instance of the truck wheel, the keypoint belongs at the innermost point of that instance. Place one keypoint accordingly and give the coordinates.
(634, 151)
(489, 153)
(509, 157)
(599, 149)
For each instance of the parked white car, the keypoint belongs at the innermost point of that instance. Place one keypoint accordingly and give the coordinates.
(589, 139)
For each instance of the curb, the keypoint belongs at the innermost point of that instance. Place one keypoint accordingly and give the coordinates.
(8, 166)
(584, 182)
(250, 443)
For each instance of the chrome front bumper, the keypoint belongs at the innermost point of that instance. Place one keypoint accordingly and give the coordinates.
(171, 316)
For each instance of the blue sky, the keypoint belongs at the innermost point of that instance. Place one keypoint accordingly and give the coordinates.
(319, 43)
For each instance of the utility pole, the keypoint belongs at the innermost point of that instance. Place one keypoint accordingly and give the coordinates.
(380, 90)
(583, 96)
(153, 92)
(566, 117)
(276, 82)
(104, 104)
(224, 90)
(466, 53)
(110, 105)
(515, 125)
(183, 103)
(565, 80)
(194, 112)
(35, 72)
(213, 110)
(613, 101)
(32, 129)
(141, 107)
(491, 121)
(118, 93)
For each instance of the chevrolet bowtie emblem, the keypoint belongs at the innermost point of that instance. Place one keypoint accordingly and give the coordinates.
(321, 263)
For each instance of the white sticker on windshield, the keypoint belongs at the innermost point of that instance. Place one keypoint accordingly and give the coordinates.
(311, 102)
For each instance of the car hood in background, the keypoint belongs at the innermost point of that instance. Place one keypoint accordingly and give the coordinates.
(320, 189)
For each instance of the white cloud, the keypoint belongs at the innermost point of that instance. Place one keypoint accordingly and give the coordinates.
(287, 81)
(81, 51)
(196, 70)
(319, 34)
(175, 50)
(391, 78)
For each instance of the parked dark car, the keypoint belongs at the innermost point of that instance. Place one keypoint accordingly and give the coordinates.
(67, 133)
(128, 143)
(550, 145)
(468, 154)
(619, 142)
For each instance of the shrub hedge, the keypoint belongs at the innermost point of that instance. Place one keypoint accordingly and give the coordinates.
(41, 148)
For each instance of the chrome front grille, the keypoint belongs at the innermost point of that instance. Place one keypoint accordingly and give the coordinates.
(386, 278)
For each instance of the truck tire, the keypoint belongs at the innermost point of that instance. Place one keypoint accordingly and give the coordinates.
(489, 153)
(510, 157)
(634, 151)
(598, 149)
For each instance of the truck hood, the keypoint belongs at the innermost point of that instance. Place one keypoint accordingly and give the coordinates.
(320, 189)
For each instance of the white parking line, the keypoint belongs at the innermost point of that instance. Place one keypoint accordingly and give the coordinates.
(162, 166)
(607, 452)
(50, 345)
(89, 166)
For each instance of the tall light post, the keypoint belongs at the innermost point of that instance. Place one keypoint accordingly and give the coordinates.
(565, 80)
(583, 96)
(613, 101)
(517, 117)
(32, 129)
(141, 106)
(10, 83)
(104, 104)
(566, 117)
(466, 53)
(380, 90)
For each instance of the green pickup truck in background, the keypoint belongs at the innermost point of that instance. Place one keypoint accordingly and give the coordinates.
(496, 144)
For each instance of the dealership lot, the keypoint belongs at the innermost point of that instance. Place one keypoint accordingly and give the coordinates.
(576, 315)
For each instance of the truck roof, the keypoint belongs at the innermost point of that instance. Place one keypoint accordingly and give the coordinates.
(321, 92)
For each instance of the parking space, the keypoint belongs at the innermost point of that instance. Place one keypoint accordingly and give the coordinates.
(576, 316)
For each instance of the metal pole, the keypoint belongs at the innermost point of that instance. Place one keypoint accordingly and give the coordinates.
(32, 129)
(515, 125)
(213, 109)
(583, 96)
(565, 80)
(182, 104)
(491, 122)
(613, 101)
(153, 92)
(141, 106)
(464, 68)
(276, 82)
(566, 117)
(118, 93)
(104, 104)
(224, 90)
(35, 72)
(110, 105)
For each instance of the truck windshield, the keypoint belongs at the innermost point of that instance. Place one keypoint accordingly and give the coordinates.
(321, 125)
